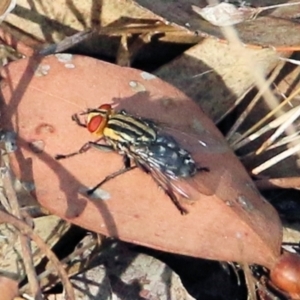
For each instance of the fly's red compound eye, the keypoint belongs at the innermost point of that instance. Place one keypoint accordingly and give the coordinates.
(98, 119)
(96, 124)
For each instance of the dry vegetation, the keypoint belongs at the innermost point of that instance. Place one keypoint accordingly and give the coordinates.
(245, 78)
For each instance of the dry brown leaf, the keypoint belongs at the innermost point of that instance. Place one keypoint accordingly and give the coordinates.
(228, 77)
(229, 212)
(50, 22)
(9, 288)
(278, 28)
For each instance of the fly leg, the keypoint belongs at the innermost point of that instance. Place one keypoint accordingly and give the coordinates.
(167, 188)
(127, 167)
(87, 146)
(169, 191)
(76, 119)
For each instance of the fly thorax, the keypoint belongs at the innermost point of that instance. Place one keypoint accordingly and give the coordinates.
(127, 129)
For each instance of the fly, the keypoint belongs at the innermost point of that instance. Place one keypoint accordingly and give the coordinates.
(142, 145)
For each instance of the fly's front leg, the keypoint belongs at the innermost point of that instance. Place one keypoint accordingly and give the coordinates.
(76, 119)
(87, 146)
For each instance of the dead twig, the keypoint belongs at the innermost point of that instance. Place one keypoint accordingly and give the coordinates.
(276, 159)
(27, 230)
(283, 183)
(71, 269)
(254, 101)
(271, 114)
(24, 241)
(9, 40)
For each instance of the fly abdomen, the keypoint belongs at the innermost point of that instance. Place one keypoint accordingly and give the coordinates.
(166, 155)
(126, 129)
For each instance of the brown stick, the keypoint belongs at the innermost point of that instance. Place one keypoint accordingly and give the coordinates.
(16, 43)
(27, 230)
(283, 183)
(25, 243)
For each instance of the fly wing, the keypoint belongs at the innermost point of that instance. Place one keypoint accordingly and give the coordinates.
(159, 161)
(164, 179)
(174, 162)
(201, 145)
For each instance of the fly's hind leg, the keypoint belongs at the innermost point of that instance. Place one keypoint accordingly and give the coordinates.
(169, 191)
(175, 200)
(167, 188)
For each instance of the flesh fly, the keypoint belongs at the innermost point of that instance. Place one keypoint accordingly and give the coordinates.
(143, 145)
